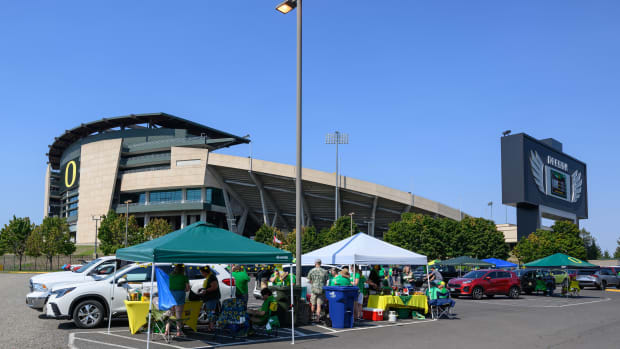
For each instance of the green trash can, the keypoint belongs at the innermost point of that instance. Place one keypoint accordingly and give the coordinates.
(282, 294)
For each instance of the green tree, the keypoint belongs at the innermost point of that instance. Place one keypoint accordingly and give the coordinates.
(593, 251)
(617, 252)
(53, 238)
(265, 235)
(340, 230)
(14, 236)
(112, 232)
(157, 227)
(563, 238)
(481, 239)
(309, 240)
(606, 255)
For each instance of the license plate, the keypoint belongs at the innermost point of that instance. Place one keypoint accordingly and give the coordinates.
(451, 289)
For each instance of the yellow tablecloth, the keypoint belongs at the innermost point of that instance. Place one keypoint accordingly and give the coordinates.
(137, 312)
(417, 302)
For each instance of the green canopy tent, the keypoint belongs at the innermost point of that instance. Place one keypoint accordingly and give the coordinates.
(559, 260)
(466, 261)
(203, 243)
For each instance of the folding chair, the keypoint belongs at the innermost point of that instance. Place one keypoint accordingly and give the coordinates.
(233, 317)
(272, 324)
(441, 307)
(159, 319)
(574, 288)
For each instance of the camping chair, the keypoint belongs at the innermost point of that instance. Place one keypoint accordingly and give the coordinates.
(159, 319)
(272, 324)
(442, 306)
(540, 286)
(233, 318)
(574, 288)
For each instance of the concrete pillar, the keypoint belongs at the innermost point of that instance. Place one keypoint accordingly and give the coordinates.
(203, 216)
(183, 216)
(183, 195)
(147, 218)
(203, 195)
(147, 197)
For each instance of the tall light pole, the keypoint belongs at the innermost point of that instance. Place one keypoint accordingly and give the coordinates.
(96, 219)
(490, 204)
(286, 7)
(337, 138)
(351, 214)
(126, 219)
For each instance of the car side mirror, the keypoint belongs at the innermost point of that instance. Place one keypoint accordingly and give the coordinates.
(487, 278)
(120, 282)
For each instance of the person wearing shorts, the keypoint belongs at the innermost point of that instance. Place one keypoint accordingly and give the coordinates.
(317, 277)
(359, 280)
(210, 293)
(179, 284)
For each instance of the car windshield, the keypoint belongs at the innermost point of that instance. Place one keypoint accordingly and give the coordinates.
(520, 272)
(118, 271)
(420, 269)
(585, 272)
(88, 265)
(475, 274)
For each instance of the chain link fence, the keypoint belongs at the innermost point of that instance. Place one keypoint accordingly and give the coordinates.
(11, 262)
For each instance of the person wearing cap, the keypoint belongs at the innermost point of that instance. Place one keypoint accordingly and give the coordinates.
(317, 277)
(434, 276)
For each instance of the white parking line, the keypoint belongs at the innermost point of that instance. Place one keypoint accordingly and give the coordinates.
(531, 305)
(71, 345)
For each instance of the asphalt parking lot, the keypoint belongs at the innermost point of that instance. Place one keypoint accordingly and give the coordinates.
(590, 321)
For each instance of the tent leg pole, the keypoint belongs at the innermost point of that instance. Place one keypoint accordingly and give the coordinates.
(292, 310)
(428, 281)
(148, 334)
(231, 282)
(112, 298)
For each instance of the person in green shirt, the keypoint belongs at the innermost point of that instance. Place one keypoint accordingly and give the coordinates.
(178, 283)
(260, 316)
(333, 273)
(343, 279)
(359, 280)
(277, 278)
(241, 282)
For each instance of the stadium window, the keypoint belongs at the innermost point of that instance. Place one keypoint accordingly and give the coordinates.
(194, 194)
(166, 196)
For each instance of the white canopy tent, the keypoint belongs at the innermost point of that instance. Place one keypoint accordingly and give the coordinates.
(362, 249)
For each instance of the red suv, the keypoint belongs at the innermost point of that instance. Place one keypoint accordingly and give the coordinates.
(487, 282)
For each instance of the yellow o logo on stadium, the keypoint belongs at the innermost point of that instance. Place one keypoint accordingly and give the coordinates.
(73, 166)
(573, 259)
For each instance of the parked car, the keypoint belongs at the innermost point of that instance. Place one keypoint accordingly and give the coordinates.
(89, 303)
(40, 285)
(560, 276)
(598, 278)
(489, 282)
(528, 279)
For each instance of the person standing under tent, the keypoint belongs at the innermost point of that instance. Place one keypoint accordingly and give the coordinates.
(360, 281)
(343, 279)
(333, 272)
(374, 280)
(241, 282)
(210, 293)
(317, 277)
(179, 284)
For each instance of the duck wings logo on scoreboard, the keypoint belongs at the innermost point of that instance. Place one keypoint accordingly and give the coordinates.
(551, 179)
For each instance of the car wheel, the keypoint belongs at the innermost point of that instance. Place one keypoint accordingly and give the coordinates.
(477, 293)
(88, 314)
(513, 292)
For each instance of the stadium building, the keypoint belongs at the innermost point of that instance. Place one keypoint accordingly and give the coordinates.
(162, 166)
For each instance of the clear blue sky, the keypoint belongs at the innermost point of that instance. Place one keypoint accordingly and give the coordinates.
(424, 88)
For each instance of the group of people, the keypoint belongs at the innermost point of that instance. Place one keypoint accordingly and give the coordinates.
(209, 293)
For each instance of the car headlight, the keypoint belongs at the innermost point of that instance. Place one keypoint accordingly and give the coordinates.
(467, 282)
(62, 291)
(39, 287)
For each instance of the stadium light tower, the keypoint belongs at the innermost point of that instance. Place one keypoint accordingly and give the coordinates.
(286, 7)
(96, 219)
(337, 138)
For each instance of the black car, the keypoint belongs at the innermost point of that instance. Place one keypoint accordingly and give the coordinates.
(529, 277)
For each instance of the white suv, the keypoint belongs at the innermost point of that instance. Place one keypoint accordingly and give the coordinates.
(87, 304)
(40, 285)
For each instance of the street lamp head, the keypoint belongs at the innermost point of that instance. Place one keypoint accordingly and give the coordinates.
(128, 202)
(286, 6)
(490, 203)
(506, 133)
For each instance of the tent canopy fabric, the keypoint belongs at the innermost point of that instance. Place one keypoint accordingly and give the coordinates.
(560, 260)
(204, 243)
(499, 263)
(363, 249)
(467, 261)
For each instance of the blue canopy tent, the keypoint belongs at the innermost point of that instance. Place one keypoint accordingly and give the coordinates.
(500, 263)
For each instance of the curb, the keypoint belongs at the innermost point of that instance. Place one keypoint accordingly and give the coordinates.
(23, 272)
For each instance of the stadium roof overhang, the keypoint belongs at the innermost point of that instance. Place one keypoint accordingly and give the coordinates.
(267, 191)
(152, 120)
